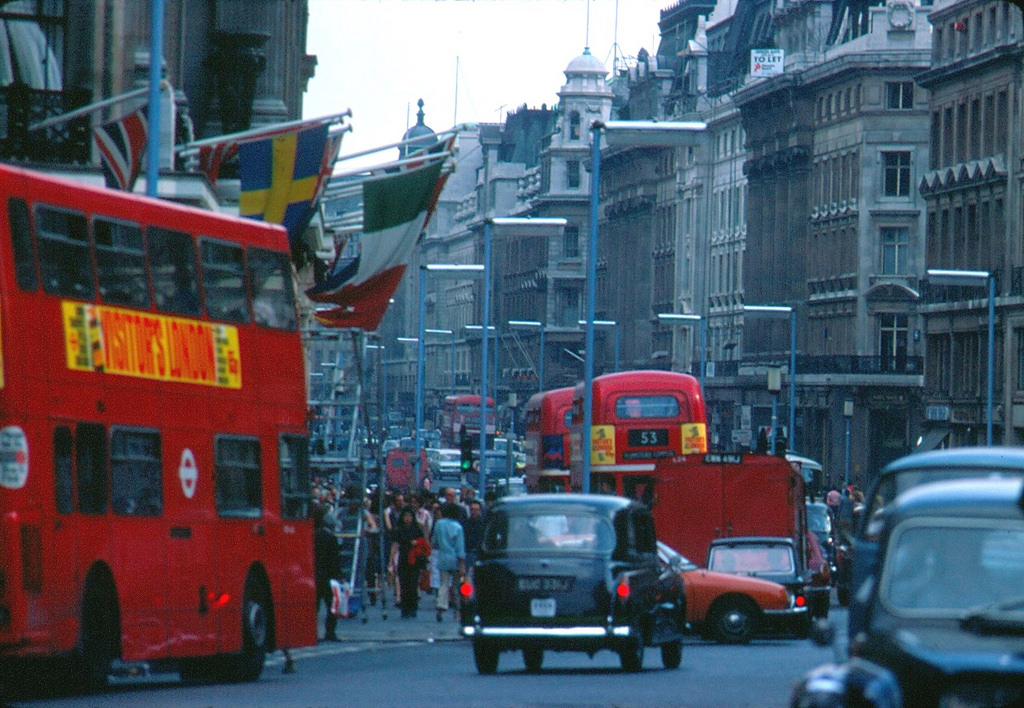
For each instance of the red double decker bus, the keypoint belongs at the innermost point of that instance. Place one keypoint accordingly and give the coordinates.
(461, 413)
(154, 483)
(548, 418)
(637, 417)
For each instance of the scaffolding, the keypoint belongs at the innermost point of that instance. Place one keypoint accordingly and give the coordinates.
(344, 444)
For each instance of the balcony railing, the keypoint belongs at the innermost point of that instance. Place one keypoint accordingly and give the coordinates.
(811, 365)
(65, 144)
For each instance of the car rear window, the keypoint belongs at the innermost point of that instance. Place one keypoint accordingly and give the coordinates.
(548, 530)
(751, 559)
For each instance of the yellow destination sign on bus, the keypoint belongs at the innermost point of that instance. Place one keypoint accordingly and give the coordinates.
(149, 346)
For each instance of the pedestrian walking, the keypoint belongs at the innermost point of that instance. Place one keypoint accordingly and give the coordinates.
(406, 536)
(473, 528)
(449, 548)
(326, 566)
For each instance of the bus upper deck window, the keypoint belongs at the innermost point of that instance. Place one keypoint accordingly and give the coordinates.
(120, 263)
(64, 260)
(273, 297)
(22, 244)
(172, 263)
(224, 285)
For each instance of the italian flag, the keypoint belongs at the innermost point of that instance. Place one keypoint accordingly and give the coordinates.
(396, 207)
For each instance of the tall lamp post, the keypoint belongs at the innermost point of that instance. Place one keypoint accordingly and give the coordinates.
(617, 133)
(540, 327)
(688, 320)
(450, 333)
(848, 414)
(977, 278)
(791, 311)
(450, 270)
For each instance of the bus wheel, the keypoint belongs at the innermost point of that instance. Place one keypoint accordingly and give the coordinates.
(101, 634)
(248, 665)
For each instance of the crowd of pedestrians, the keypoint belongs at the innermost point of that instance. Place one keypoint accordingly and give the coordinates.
(416, 542)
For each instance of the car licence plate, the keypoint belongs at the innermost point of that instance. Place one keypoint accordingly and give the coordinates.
(542, 607)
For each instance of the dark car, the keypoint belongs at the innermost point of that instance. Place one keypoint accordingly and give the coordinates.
(573, 572)
(944, 611)
(777, 559)
(897, 477)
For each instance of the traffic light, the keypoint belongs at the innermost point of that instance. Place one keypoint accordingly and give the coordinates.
(466, 448)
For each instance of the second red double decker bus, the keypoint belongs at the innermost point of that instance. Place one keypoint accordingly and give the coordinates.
(637, 417)
(548, 418)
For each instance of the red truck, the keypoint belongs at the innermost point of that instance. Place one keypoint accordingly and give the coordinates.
(700, 498)
(703, 497)
(400, 471)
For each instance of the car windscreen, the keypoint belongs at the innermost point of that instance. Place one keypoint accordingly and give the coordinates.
(751, 559)
(942, 567)
(548, 529)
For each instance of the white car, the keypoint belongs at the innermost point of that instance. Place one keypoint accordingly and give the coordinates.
(445, 465)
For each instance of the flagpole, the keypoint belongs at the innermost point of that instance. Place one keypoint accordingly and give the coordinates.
(402, 143)
(91, 108)
(424, 158)
(255, 133)
(156, 55)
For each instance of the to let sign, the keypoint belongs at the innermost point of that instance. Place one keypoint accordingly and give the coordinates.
(767, 62)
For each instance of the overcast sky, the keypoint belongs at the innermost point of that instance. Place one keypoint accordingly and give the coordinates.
(469, 60)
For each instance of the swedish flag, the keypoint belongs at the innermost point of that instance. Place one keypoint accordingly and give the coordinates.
(280, 176)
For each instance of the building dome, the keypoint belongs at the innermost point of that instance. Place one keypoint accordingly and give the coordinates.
(419, 136)
(586, 63)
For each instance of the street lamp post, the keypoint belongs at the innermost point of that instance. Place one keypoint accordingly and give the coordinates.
(452, 270)
(483, 401)
(977, 278)
(791, 311)
(686, 319)
(616, 134)
(540, 328)
(848, 414)
(451, 333)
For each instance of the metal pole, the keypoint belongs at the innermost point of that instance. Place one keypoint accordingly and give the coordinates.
(420, 372)
(991, 352)
(156, 54)
(792, 381)
(588, 367)
(703, 354)
(540, 370)
(846, 475)
(453, 363)
(483, 367)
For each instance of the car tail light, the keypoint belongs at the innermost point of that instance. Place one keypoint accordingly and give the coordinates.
(622, 589)
(799, 601)
(466, 589)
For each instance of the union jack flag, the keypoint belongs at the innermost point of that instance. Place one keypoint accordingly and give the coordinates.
(121, 144)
